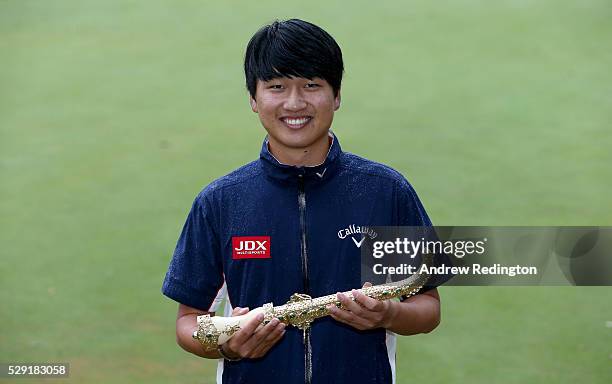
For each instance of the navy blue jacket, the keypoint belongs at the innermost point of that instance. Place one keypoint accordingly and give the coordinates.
(308, 252)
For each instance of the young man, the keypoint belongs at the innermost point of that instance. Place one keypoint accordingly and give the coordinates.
(295, 201)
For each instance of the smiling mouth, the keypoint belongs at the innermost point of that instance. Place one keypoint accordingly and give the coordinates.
(296, 122)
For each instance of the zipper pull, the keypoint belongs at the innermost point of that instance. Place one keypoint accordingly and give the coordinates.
(304, 336)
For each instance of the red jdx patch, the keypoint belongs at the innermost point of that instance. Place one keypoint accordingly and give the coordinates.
(250, 247)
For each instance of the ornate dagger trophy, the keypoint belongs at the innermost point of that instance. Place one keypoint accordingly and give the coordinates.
(301, 310)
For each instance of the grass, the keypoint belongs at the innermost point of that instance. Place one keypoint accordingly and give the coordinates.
(113, 115)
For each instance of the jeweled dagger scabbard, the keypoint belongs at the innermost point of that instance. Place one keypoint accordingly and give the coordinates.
(301, 310)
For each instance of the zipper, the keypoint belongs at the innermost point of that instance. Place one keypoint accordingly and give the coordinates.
(305, 279)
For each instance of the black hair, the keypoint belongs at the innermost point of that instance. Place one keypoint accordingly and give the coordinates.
(292, 48)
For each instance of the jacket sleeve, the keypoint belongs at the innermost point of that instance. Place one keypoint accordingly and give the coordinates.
(410, 210)
(195, 274)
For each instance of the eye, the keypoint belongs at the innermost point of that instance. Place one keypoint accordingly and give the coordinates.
(275, 86)
(312, 85)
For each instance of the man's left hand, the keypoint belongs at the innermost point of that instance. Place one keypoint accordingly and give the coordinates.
(363, 313)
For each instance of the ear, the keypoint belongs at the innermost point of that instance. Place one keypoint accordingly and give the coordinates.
(253, 104)
(337, 100)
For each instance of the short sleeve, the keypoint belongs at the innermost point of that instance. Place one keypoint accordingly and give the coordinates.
(411, 213)
(410, 210)
(195, 274)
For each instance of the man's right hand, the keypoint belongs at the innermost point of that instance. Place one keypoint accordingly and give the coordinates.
(250, 342)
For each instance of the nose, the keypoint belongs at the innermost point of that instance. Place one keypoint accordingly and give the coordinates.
(295, 100)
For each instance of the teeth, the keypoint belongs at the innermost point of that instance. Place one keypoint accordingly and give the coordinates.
(299, 121)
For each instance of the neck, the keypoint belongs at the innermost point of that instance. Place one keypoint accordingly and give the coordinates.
(310, 156)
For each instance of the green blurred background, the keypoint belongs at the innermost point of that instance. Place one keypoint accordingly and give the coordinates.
(114, 114)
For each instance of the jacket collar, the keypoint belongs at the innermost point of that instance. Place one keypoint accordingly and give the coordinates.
(291, 173)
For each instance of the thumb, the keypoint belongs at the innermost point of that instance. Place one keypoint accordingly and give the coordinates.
(367, 284)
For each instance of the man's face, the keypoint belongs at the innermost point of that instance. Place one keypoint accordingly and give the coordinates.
(296, 112)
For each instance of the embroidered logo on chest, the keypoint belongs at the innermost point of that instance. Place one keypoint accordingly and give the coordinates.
(251, 247)
(357, 234)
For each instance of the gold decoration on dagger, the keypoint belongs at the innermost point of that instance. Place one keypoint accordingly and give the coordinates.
(301, 310)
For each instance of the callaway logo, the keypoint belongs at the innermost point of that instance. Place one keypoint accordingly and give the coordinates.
(361, 232)
(251, 247)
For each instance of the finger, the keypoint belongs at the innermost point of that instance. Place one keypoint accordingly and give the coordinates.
(247, 331)
(269, 327)
(367, 302)
(270, 340)
(258, 336)
(258, 343)
(349, 304)
(251, 326)
(280, 327)
(366, 284)
(347, 318)
(239, 311)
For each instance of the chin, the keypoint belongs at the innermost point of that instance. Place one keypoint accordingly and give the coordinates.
(297, 143)
(294, 139)
(309, 138)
